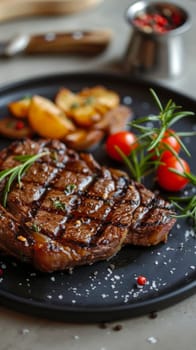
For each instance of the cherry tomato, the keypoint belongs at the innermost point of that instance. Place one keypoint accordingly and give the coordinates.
(125, 140)
(171, 181)
(170, 140)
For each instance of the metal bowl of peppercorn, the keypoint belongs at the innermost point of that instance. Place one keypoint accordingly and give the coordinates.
(157, 40)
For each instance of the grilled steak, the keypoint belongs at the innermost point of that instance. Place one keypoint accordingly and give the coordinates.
(70, 211)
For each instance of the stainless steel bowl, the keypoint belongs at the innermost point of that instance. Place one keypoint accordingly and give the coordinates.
(158, 54)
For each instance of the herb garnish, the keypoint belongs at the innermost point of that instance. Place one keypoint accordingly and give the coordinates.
(74, 105)
(89, 100)
(27, 97)
(186, 207)
(69, 189)
(151, 130)
(190, 176)
(11, 124)
(140, 162)
(58, 204)
(35, 227)
(17, 172)
(54, 156)
(167, 116)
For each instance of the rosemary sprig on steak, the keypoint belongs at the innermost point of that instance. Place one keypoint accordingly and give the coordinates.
(17, 172)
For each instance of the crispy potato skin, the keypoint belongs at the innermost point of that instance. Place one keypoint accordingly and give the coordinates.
(65, 99)
(81, 139)
(20, 109)
(47, 119)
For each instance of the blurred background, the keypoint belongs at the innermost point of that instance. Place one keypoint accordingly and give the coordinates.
(86, 15)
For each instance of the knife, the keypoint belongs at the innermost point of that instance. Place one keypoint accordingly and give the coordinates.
(74, 42)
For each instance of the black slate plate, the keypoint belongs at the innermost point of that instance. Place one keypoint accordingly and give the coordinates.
(107, 290)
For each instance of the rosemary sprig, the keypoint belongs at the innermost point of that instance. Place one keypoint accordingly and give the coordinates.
(139, 163)
(17, 172)
(186, 208)
(150, 131)
(166, 117)
(190, 176)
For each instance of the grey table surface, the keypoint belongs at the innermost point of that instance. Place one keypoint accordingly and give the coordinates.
(174, 327)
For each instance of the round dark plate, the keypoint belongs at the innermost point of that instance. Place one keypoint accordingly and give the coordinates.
(107, 290)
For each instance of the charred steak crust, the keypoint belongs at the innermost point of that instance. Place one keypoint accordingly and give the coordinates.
(71, 211)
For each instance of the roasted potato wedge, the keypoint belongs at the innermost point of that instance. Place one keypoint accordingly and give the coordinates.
(87, 107)
(20, 108)
(47, 119)
(10, 127)
(66, 99)
(77, 108)
(101, 109)
(82, 139)
(85, 116)
(102, 96)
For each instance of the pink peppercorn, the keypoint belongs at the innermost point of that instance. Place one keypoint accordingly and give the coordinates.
(19, 125)
(141, 280)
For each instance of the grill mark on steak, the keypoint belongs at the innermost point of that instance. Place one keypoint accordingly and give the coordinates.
(104, 210)
(42, 174)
